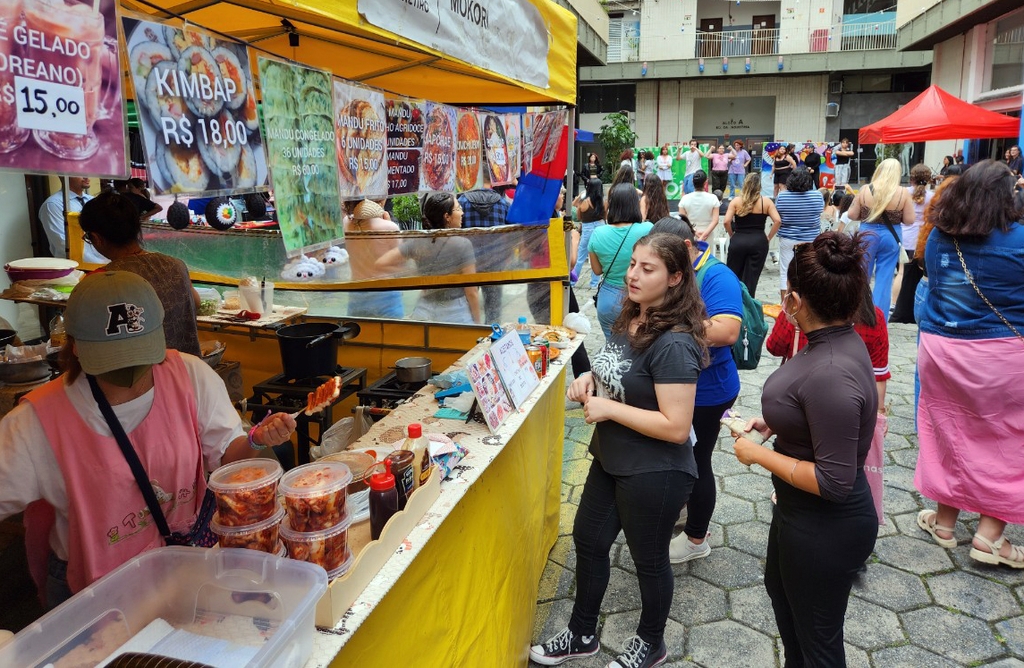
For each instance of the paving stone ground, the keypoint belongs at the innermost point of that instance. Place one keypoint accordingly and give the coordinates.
(917, 606)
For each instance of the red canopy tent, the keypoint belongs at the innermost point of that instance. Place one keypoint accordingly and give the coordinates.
(935, 114)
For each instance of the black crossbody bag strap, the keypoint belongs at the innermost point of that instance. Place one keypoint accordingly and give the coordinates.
(141, 479)
(892, 230)
(612, 263)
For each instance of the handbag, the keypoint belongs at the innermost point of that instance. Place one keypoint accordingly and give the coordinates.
(610, 265)
(200, 534)
(970, 279)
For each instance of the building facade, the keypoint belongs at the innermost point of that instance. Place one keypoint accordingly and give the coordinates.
(757, 70)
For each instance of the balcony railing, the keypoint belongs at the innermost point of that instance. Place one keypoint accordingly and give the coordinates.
(857, 36)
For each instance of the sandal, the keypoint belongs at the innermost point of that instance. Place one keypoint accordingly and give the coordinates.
(1015, 560)
(922, 521)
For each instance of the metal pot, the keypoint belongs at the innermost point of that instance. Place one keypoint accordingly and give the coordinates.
(412, 370)
(7, 336)
(311, 349)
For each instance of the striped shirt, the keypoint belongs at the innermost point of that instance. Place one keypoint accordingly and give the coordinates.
(800, 214)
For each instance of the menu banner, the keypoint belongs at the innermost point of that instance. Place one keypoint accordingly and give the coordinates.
(547, 133)
(61, 105)
(527, 145)
(360, 125)
(437, 164)
(468, 157)
(495, 149)
(298, 116)
(405, 127)
(197, 109)
(491, 395)
(504, 36)
(513, 142)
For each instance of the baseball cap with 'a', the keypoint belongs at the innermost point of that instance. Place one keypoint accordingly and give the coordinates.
(117, 322)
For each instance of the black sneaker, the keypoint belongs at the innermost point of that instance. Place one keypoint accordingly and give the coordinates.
(563, 646)
(639, 654)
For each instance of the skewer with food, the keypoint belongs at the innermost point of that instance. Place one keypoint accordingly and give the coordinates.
(321, 397)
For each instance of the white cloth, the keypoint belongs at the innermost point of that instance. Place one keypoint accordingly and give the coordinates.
(664, 162)
(51, 215)
(28, 467)
(698, 207)
(692, 161)
(910, 231)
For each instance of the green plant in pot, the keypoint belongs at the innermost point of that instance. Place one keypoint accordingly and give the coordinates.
(405, 211)
(616, 136)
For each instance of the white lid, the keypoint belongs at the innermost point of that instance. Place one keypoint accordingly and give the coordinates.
(43, 264)
(245, 475)
(316, 479)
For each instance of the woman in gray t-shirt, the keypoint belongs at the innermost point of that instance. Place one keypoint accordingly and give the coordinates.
(640, 395)
(439, 255)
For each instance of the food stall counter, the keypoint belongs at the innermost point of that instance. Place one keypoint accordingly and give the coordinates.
(471, 567)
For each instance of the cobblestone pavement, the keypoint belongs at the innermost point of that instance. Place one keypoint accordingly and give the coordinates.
(918, 604)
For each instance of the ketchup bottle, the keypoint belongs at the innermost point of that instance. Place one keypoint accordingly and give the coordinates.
(383, 500)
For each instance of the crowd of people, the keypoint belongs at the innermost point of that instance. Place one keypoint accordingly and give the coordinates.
(666, 375)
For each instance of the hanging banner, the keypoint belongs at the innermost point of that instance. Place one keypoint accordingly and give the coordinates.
(360, 127)
(539, 187)
(437, 165)
(527, 146)
(547, 135)
(61, 106)
(498, 170)
(405, 126)
(514, 143)
(197, 110)
(468, 145)
(298, 114)
(508, 37)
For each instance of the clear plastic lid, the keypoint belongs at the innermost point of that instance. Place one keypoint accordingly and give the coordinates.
(221, 530)
(291, 535)
(342, 569)
(358, 463)
(316, 479)
(245, 475)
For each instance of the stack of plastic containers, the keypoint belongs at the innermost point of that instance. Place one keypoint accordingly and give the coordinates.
(317, 522)
(248, 513)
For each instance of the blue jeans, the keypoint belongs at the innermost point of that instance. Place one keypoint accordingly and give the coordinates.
(882, 254)
(644, 506)
(582, 254)
(609, 305)
(736, 182)
(688, 184)
(375, 305)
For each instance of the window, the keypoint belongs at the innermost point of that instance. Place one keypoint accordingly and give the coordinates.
(607, 98)
(623, 37)
(867, 83)
(1007, 64)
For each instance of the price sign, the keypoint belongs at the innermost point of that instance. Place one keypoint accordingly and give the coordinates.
(45, 105)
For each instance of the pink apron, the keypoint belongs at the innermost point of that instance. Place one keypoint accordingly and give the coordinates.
(108, 520)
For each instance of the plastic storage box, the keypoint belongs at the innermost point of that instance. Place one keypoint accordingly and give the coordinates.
(253, 600)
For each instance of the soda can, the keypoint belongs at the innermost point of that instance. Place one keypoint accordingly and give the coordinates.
(536, 358)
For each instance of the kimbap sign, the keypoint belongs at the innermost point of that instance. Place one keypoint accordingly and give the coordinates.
(197, 109)
(61, 108)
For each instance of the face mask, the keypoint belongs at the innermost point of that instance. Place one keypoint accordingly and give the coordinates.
(791, 317)
(125, 377)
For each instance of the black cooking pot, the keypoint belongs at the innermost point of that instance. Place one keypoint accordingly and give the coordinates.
(311, 349)
(7, 336)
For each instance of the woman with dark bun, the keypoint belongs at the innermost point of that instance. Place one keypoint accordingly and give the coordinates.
(821, 407)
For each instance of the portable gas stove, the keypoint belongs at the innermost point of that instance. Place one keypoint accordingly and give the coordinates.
(279, 394)
(386, 394)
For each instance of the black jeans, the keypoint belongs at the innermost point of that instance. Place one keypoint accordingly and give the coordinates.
(645, 507)
(701, 505)
(904, 310)
(815, 548)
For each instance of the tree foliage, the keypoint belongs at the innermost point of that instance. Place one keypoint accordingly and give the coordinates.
(616, 136)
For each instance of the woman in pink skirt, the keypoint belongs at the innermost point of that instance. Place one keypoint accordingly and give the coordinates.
(971, 363)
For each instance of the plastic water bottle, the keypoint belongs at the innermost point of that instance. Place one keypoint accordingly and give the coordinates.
(524, 330)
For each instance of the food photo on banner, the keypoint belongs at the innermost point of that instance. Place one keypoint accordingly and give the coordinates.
(360, 127)
(61, 103)
(514, 142)
(468, 152)
(499, 172)
(405, 127)
(298, 117)
(196, 104)
(437, 164)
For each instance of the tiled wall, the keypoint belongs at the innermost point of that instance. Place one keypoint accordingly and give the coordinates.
(799, 105)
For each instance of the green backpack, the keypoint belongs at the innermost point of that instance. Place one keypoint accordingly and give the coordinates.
(746, 352)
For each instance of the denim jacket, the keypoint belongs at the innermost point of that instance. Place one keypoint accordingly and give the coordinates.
(953, 309)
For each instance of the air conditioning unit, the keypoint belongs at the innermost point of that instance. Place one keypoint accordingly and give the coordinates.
(835, 87)
(831, 110)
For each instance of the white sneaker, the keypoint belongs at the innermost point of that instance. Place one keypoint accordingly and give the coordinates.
(681, 549)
